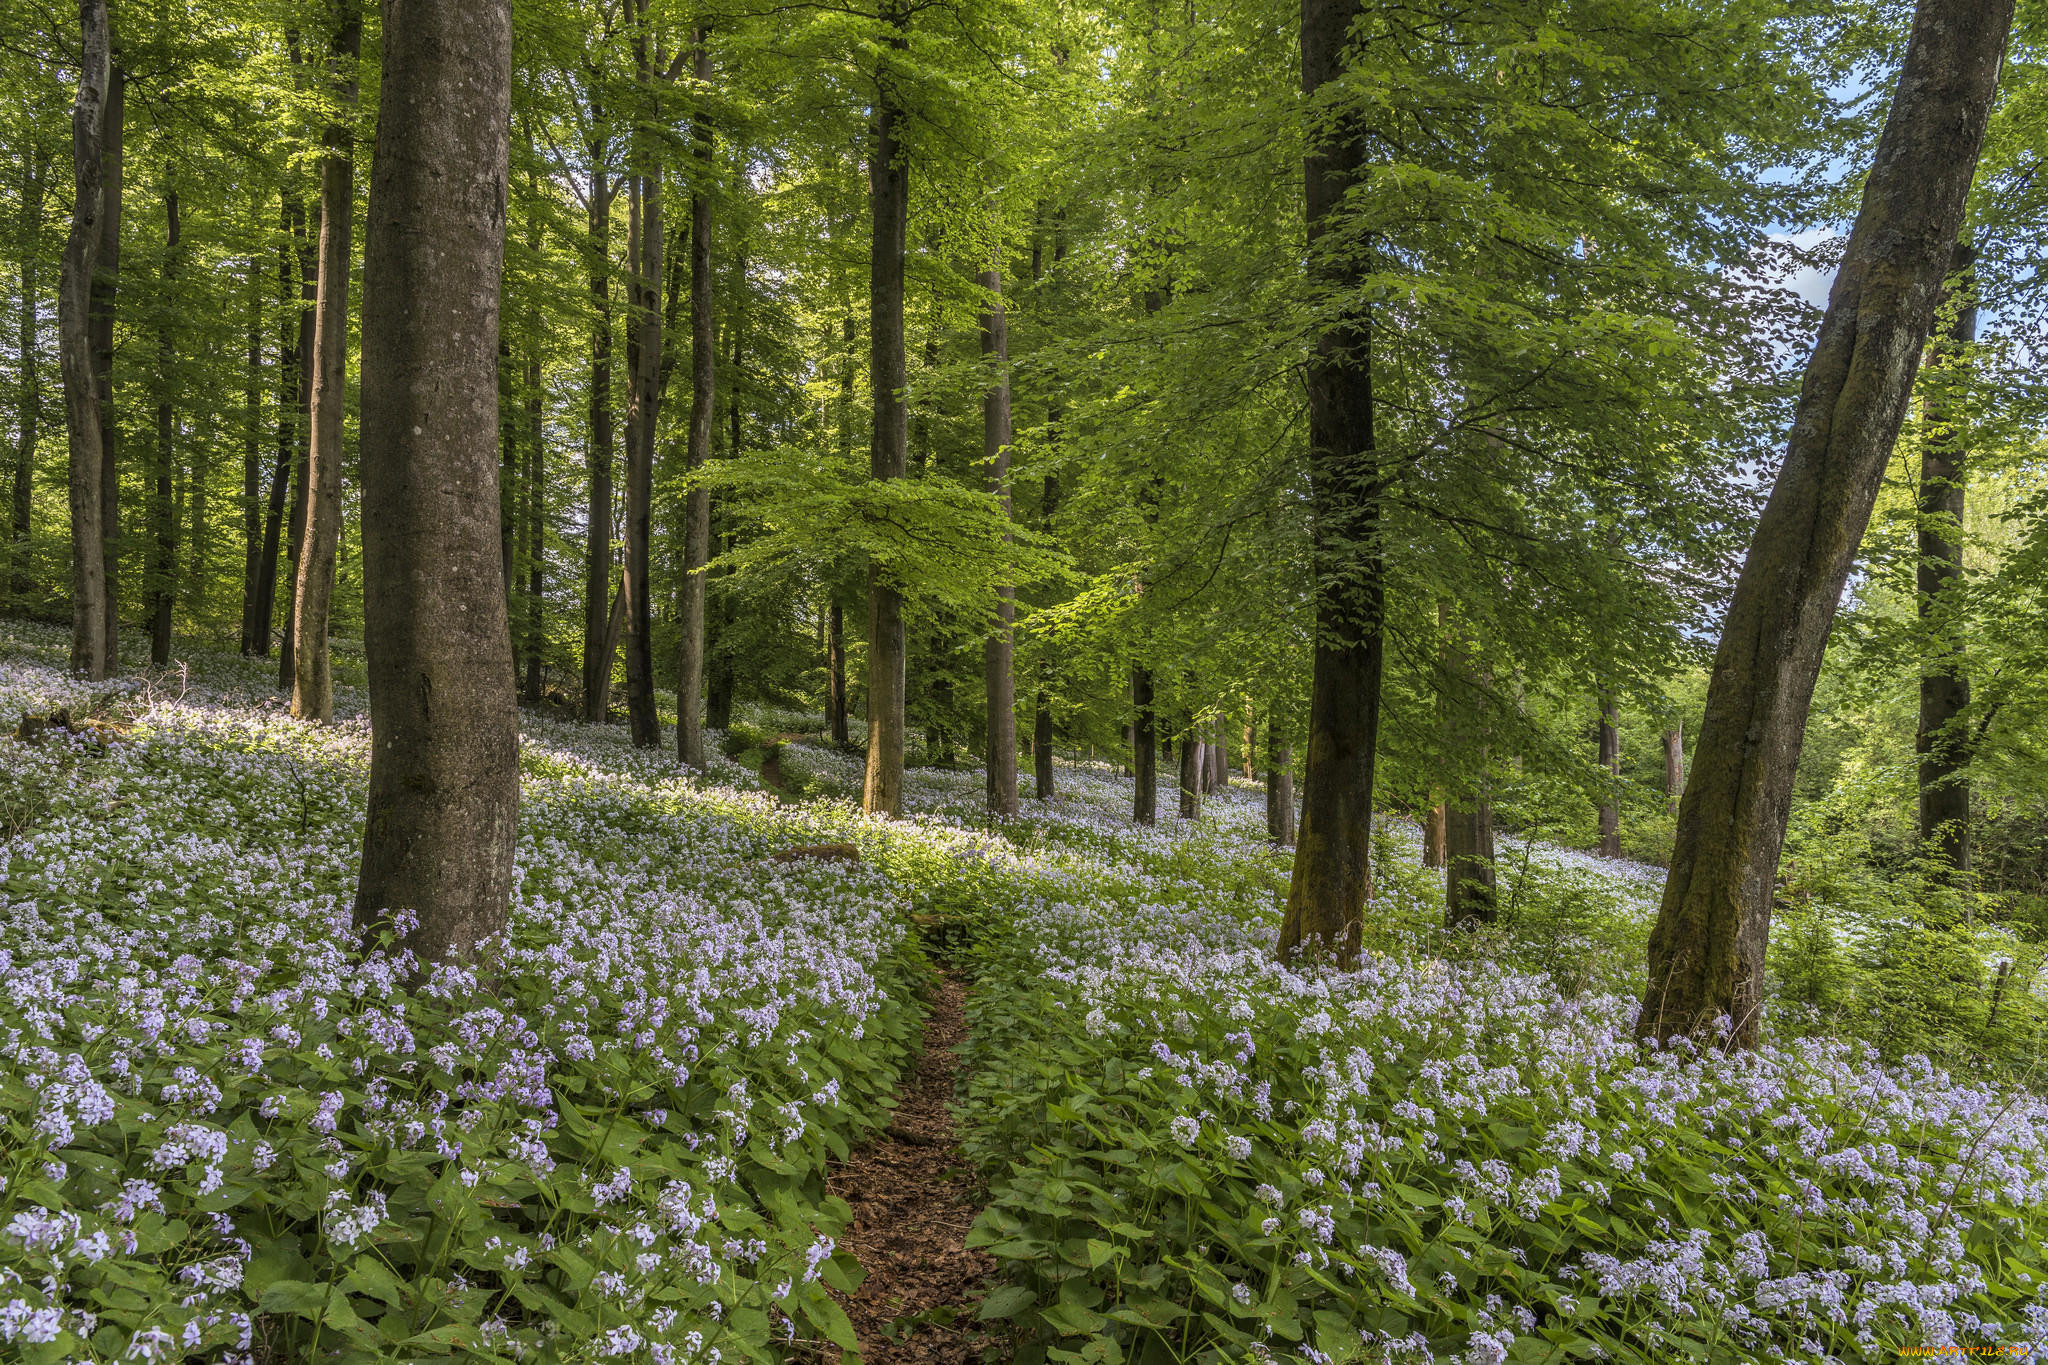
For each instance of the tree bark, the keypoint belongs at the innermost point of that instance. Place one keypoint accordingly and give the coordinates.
(835, 667)
(1674, 766)
(536, 530)
(1940, 741)
(1219, 758)
(1332, 873)
(76, 352)
(1706, 955)
(294, 545)
(998, 655)
(645, 240)
(312, 666)
(444, 768)
(1144, 749)
(597, 554)
(29, 398)
(1433, 835)
(1194, 764)
(1468, 810)
(163, 512)
(703, 412)
(889, 189)
(252, 470)
(281, 469)
(1610, 758)
(106, 282)
(1279, 788)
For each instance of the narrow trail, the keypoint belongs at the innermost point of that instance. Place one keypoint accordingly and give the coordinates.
(912, 1207)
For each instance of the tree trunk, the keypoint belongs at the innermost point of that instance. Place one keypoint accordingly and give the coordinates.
(281, 469)
(835, 666)
(1706, 956)
(1219, 757)
(444, 766)
(308, 317)
(719, 655)
(76, 352)
(1674, 766)
(1940, 741)
(163, 511)
(1279, 787)
(29, 398)
(1468, 812)
(1194, 763)
(1610, 759)
(703, 411)
(644, 247)
(889, 175)
(1433, 835)
(1144, 749)
(106, 283)
(597, 555)
(312, 667)
(1332, 873)
(1000, 651)
(536, 530)
(252, 471)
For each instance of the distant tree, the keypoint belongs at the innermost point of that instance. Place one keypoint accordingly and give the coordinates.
(312, 669)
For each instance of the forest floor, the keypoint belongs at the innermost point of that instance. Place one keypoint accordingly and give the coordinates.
(913, 1203)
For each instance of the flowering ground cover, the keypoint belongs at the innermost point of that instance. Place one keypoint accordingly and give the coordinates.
(227, 1136)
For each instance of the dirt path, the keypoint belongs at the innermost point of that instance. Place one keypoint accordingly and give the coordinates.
(912, 1206)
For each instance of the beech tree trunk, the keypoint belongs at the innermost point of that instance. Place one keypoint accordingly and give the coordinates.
(1706, 955)
(295, 541)
(1219, 758)
(281, 468)
(1610, 759)
(1324, 917)
(703, 412)
(312, 667)
(1674, 767)
(1144, 749)
(1193, 765)
(163, 511)
(1000, 652)
(76, 352)
(597, 554)
(1940, 740)
(889, 178)
(444, 765)
(1468, 810)
(106, 283)
(536, 532)
(1279, 787)
(252, 472)
(1433, 835)
(835, 666)
(29, 398)
(643, 359)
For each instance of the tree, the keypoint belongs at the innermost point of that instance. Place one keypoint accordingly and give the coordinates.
(35, 168)
(1706, 955)
(1941, 739)
(82, 409)
(999, 653)
(312, 670)
(106, 283)
(444, 767)
(703, 411)
(1326, 898)
(889, 451)
(1607, 731)
(163, 560)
